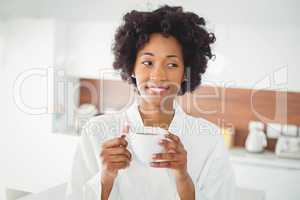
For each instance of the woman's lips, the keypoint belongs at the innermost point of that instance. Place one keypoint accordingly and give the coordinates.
(158, 90)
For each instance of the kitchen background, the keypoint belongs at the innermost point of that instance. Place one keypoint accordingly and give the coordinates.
(52, 53)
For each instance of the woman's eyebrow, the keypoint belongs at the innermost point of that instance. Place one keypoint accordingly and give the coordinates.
(171, 56)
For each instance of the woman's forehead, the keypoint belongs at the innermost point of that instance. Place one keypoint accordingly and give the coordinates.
(160, 45)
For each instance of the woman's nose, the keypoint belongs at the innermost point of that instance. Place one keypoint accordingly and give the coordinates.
(158, 73)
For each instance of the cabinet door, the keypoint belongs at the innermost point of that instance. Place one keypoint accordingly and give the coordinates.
(278, 183)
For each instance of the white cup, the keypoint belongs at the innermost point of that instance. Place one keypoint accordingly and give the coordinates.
(145, 142)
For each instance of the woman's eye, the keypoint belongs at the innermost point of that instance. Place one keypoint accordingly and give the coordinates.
(172, 65)
(147, 63)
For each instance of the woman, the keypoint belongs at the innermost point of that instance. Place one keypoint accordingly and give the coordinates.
(163, 54)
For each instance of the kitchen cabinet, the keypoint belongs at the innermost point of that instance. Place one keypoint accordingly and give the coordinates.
(278, 178)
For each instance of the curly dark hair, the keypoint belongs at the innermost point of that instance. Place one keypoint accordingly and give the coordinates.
(187, 27)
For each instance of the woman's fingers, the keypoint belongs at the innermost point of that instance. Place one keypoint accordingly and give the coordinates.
(166, 156)
(116, 151)
(114, 154)
(116, 165)
(173, 137)
(117, 158)
(116, 142)
(119, 165)
(167, 164)
(169, 145)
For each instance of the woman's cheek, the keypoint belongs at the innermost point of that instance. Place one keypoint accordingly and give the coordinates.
(141, 86)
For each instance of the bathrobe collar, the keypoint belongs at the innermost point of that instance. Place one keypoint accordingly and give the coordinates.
(135, 120)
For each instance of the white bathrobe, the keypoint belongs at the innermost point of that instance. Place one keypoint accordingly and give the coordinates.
(207, 162)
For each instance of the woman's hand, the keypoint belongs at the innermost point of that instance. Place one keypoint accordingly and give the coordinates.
(114, 156)
(175, 157)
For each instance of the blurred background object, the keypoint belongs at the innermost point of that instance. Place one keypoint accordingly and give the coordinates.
(256, 140)
(288, 144)
(228, 134)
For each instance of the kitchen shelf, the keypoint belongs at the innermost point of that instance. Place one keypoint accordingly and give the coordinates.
(266, 159)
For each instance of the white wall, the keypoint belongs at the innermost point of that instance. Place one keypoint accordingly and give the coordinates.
(84, 47)
(2, 41)
(254, 38)
(32, 158)
(248, 53)
(229, 11)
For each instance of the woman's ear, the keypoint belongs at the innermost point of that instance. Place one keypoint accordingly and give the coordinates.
(133, 79)
(133, 75)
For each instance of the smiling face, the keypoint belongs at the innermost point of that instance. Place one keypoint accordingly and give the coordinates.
(159, 69)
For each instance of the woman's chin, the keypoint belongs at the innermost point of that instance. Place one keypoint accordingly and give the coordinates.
(153, 99)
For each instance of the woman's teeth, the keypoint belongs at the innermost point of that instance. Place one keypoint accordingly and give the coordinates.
(158, 89)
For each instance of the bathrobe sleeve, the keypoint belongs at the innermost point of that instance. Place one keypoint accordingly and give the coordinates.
(85, 178)
(218, 182)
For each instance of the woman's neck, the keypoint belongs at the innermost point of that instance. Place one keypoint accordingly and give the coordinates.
(156, 115)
